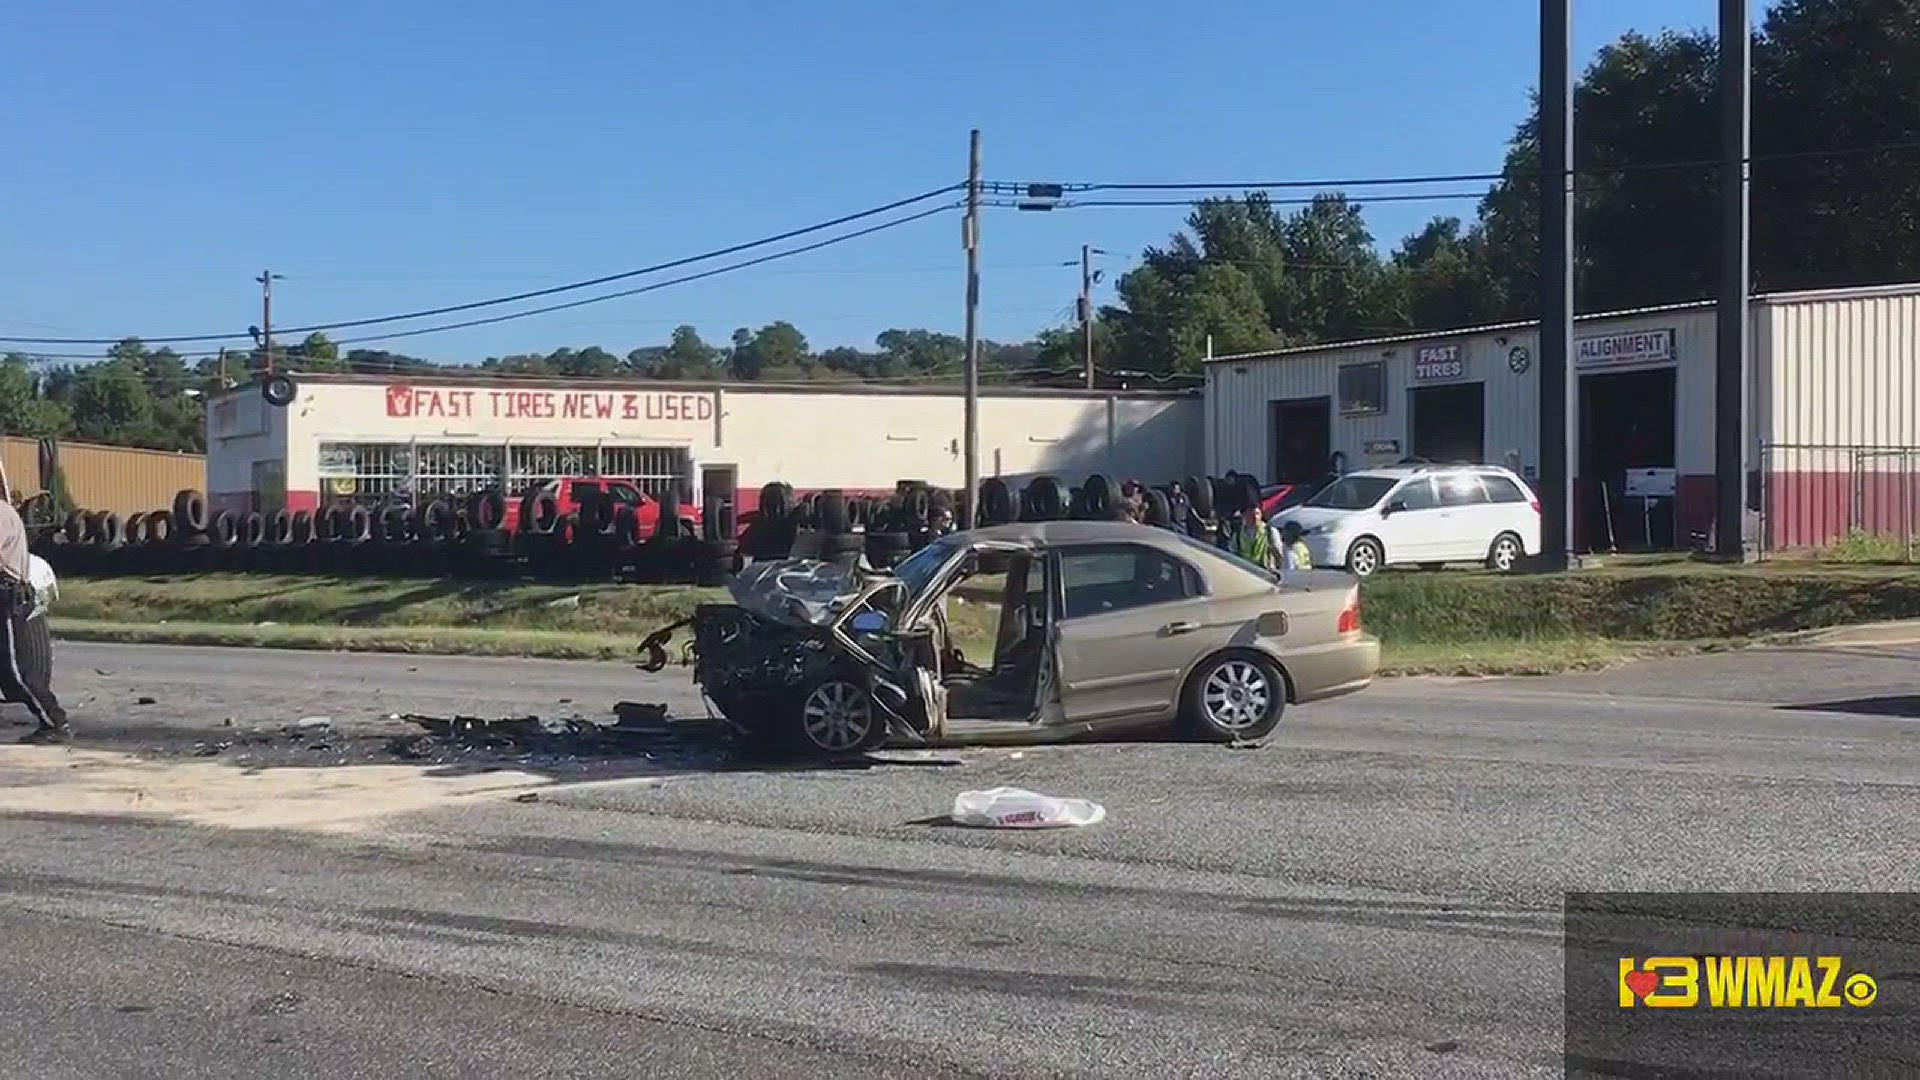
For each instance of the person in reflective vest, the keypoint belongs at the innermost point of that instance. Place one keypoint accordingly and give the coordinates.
(1293, 545)
(1253, 539)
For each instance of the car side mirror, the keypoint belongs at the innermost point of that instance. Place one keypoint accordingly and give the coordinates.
(1397, 506)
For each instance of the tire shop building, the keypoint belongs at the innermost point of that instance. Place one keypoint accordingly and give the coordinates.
(366, 438)
(1833, 415)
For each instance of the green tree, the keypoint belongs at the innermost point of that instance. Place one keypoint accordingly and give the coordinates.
(1441, 280)
(776, 351)
(23, 411)
(316, 352)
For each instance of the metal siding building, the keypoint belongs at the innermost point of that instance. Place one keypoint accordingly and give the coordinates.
(1834, 408)
(122, 479)
(365, 437)
(1843, 415)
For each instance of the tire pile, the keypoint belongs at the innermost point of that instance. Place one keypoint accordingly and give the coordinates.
(438, 536)
(601, 540)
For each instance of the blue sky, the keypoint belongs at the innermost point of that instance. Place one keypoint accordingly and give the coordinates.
(391, 156)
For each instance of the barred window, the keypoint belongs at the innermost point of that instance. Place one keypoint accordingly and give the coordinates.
(652, 469)
(365, 472)
(373, 472)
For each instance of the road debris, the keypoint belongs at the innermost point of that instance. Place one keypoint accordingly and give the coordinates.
(146, 701)
(1017, 808)
(314, 723)
(527, 796)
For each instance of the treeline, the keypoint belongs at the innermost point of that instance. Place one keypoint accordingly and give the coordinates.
(1836, 201)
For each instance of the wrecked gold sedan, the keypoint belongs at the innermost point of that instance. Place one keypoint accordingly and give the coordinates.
(1028, 632)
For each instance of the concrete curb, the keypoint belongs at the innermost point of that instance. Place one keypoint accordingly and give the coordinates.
(1894, 632)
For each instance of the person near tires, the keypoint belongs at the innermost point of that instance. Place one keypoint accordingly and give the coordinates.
(1254, 540)
(26, 649)
(1133, 501)
(1295, 555)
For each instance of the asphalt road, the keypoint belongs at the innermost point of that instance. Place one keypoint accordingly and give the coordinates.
(1375, 892)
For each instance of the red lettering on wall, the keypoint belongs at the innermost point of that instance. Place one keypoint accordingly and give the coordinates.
(428, 402)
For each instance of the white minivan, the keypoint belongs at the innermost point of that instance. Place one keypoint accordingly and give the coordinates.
(1421, 515)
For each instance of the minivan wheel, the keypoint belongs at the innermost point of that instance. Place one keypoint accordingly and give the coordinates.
(1505, 554)
(1365, 557)
(1238, 697)
(838, 717)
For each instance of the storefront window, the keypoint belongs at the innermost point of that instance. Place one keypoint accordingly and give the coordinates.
(1363, 389)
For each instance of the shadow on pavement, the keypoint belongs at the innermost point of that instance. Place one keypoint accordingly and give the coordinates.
(1905, 705)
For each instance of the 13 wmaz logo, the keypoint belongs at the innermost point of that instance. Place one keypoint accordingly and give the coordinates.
(1742, 982)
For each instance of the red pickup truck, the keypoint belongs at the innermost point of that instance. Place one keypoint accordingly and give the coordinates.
(565, 492)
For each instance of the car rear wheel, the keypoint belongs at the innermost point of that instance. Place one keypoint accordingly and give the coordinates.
(837, 717)
(1238, 697)
(1505, 554)
(1365, 557)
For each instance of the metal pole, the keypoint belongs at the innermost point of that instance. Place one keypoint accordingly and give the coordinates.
(1556, 283)
(266, 316)
(1730, 367)
(970, 505)
(1086, 308)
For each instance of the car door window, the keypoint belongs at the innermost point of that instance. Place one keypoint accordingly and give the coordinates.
(1417, 495)
(625, 494)
(1121, 577)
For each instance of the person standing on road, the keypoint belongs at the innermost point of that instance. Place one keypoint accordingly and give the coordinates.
(1254, 540)
(26, 649)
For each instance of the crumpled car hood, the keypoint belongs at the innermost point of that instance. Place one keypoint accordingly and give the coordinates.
(800, 592)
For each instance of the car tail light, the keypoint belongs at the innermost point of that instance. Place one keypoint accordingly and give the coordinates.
(1536, 506)
(1350, 615)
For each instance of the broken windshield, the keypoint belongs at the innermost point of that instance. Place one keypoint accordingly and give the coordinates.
(918, 570)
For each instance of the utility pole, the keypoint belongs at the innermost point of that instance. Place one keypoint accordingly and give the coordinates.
(1730, 366)
(970, 506)
(1087, 252)
(266, 280)
(1557, 383)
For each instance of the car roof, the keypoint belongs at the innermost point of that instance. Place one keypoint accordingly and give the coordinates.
(1050, 533)
(1401, 472)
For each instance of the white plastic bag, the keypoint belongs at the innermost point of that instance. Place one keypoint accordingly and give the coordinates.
(1014, 808)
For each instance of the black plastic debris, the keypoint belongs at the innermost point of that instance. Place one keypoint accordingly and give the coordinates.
(637, 728)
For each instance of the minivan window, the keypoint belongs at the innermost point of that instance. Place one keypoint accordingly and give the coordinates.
(1461, 489)
(1352, 493)
(1502, 490)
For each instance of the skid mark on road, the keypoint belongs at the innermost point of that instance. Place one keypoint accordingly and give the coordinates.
(1414, 915)
(349, 798)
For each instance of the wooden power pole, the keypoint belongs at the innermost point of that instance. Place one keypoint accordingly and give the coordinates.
(970, 505)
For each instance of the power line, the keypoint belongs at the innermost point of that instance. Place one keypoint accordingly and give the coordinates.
(517, 297)
(1438, 196)
(654, 286)
(1006, 188)
(602, 298)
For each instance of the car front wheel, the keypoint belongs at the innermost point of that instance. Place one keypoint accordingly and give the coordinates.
(838, 717)
(1365, 557)
(1238, 697)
